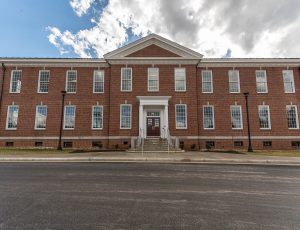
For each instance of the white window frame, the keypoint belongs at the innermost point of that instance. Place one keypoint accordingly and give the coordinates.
(128, 90)
(213, 117)
(121, 116)
(36, 113)
(241, 118)
(186, 115)
(297, 118)
(269, 116)
(239, 83)
(101, 126)
(175, 76)
(265, 82)
(157, 89)
(39, 82)
(211, 81)
(65, 109)
(68, 71)
(292, 80)
(11, 81)
(7, 116)
(94, 80)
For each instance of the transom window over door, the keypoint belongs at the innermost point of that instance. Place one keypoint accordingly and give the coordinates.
(98, 86)
(71, 81)
(264, 117)
(44, 76)
(15, 81)
(234, 81)
(180, 79)
(261, 81)
(181, 116)
(208, 117)
(288, 80)
(292, 116)
(153, 79)
(207, 81)
(126, 79)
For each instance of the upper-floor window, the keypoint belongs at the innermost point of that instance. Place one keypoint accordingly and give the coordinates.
(126, 79)
(44, 76)
(125, 116)
(98, 83)
(292, 116)
(15, 81)
(207, 81)
(180, 79)
(181, 116)
(208, 117)
(97, 117)
(264, 117)
(153, 79)
(288, 80)
(12, 117)
(40, 117)
(71, 81)
(234, 81)
(69, 117)
(236, 117)
(261, 81)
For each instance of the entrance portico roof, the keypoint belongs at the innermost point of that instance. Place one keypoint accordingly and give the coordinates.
(153, 100)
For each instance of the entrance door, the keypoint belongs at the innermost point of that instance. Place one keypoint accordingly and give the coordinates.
(153, 126)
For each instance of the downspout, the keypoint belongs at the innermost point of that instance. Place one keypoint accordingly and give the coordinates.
(109, 105)
(198, 109)
(2, 83)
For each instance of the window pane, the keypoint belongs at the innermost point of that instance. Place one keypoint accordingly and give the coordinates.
(44, 81)
(288, 78)
(71, 81)
(12, 116)
(292, 117)
(126, 79)
(207, 82)
(99, 81)
(208, 117)
(181, 116)
(97, 117)
(180, 79)
(153, 79)
(40, 117)
(15, 85)
(234, 81)
(125, 117)
(69, 118)
(264, 117)
(261, 82)
(236, 117)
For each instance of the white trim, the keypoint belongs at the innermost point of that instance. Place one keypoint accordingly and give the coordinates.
(266, 78)
(130, 116)
(293, 81)
(35, 121)
(121, 89)
(39, 81)
(297, 120)
(94, 76)
(239, 82)
(186, 115)
(212, 82)
(100, 106)
(241, 113)
(180, 68)
(269, 117)
(65, 108)
(155, 90)
(11, 78)
(213, 113)
(8, 107)
(66, 87)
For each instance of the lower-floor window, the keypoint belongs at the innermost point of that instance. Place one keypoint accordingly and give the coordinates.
(264, 117)
(236, 117)
(40, 117)
(181, 117)
(12, 117)
(97, 117)
(208, 117)
(292, 116)
(69, 118)
(125, 116)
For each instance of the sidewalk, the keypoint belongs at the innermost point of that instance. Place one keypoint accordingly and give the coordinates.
(186, 157)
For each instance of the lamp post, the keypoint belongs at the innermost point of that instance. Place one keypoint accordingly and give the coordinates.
(250, 149)
(63, 93)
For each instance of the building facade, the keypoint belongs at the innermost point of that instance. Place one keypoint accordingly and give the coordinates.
(150, 88)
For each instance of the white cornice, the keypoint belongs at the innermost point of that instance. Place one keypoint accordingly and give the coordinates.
(155, 61)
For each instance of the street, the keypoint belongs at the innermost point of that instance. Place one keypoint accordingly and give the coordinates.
(148, 196)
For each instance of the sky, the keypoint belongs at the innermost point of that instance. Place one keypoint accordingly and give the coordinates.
(91, 28)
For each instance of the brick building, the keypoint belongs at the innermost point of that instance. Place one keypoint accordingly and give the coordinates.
(150, 88)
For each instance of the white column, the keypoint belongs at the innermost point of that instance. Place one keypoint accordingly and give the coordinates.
(166, 118)
(141, 114)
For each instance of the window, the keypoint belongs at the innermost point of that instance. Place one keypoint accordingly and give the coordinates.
(236, 117)
(97, 144)
(98, 86)
(69, 118)
(125, 117)
(208, 117)
(15, 81)
(126, 79)
(238, 144)
(267, 143)
(295, 144)
(153, 79)
(288, 80)
(209, 144)
(264, 117)
(71, 81)
(40, 117)
(12, 117)
(261, 81)
(68, 144)
(234, 81)
(180, 81)
(38, 144)
(181, 117)
(207, 81)
(97, 117)
(44, 76)
(9, 144)
(292, 116)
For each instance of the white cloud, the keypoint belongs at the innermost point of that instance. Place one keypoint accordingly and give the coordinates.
(208, 26)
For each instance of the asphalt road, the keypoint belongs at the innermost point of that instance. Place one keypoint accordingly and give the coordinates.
(148, 196)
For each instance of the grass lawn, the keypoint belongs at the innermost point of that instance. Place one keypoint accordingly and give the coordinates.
(281, 153)
(20, 151)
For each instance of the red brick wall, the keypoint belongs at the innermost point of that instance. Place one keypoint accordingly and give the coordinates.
(153, 51)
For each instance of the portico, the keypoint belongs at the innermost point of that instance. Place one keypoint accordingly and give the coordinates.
(153, 116)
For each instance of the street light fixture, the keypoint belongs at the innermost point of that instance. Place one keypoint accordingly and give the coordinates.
(63, 93)
(250, 149)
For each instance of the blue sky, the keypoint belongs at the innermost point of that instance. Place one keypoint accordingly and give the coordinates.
(91, 28)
